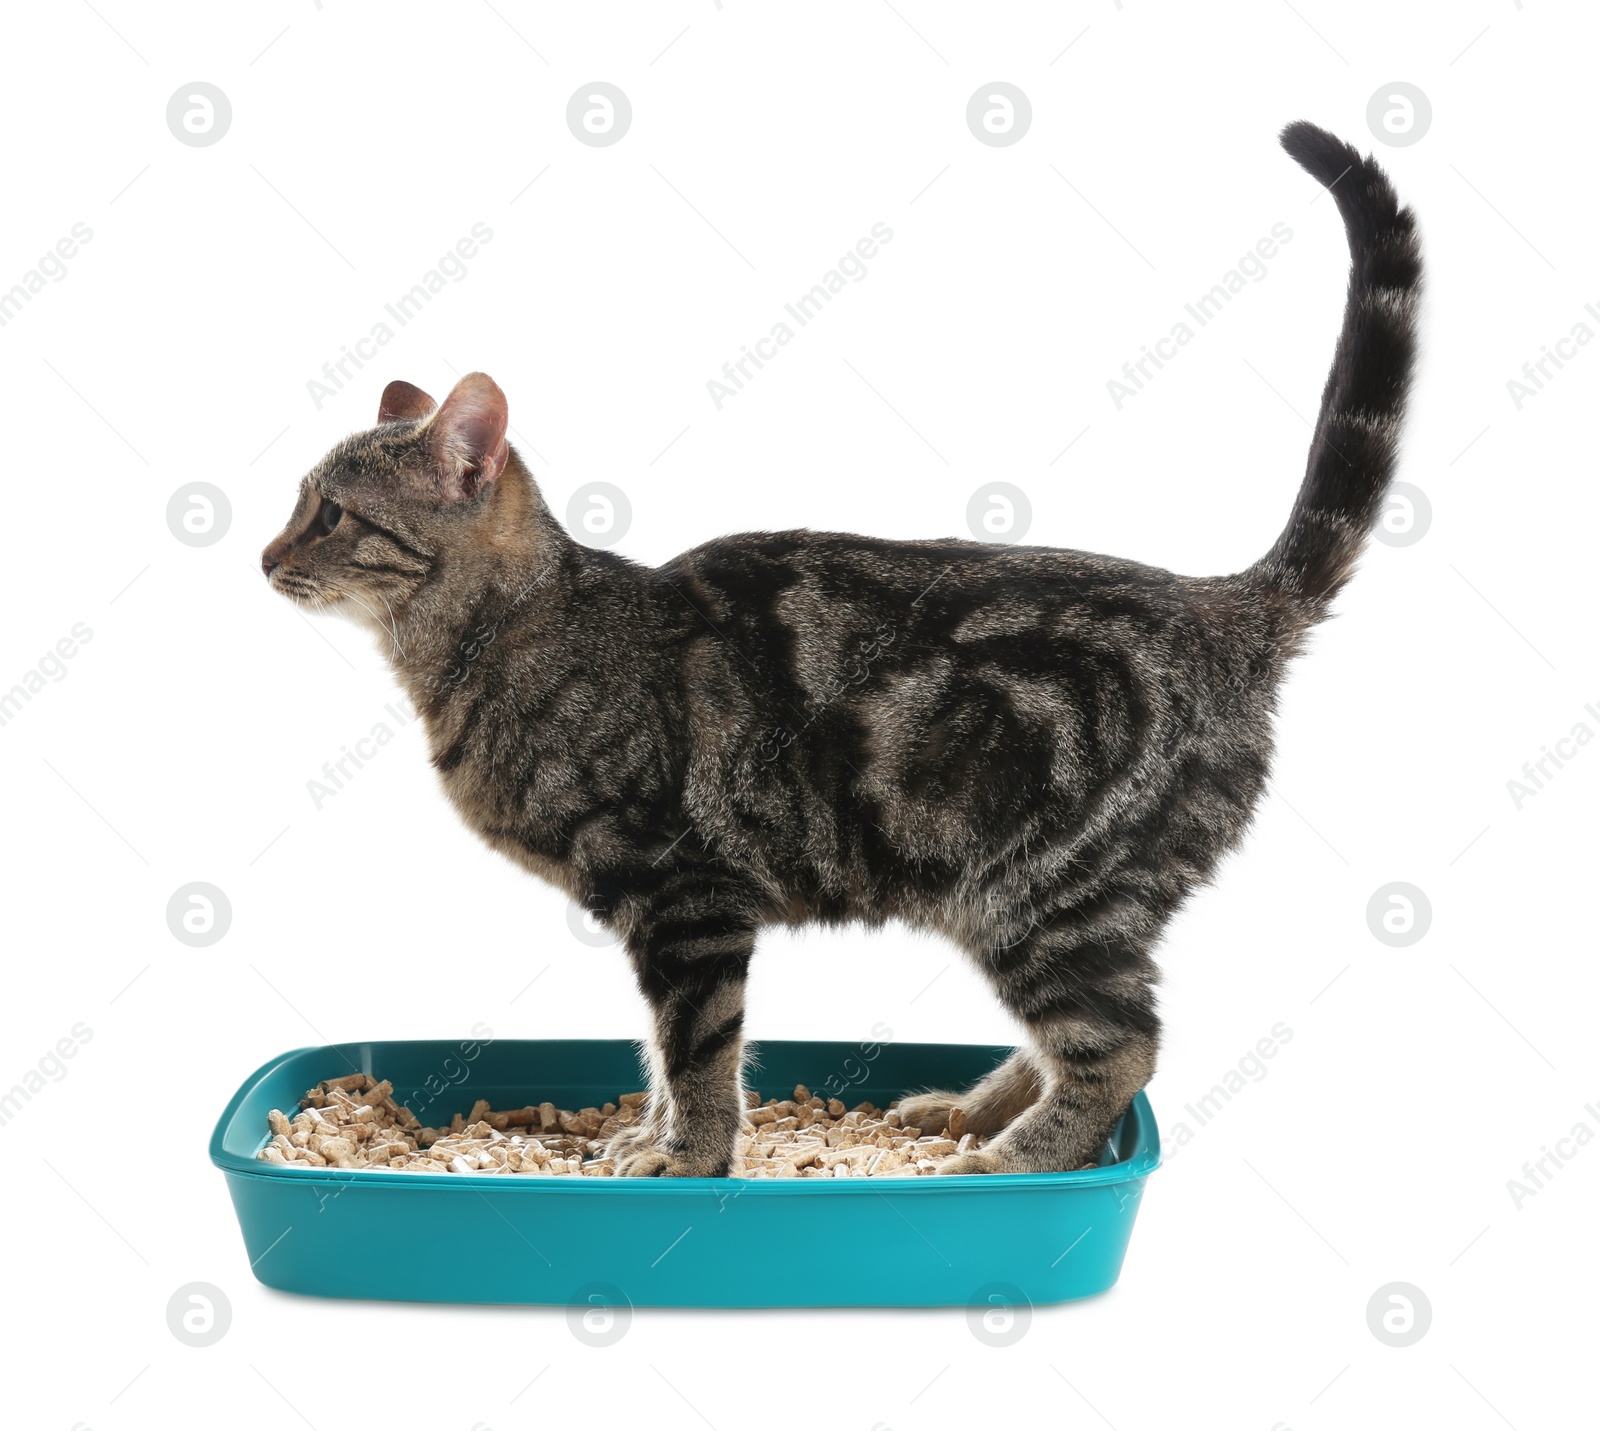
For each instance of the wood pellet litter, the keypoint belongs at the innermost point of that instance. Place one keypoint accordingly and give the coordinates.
(355, 1123)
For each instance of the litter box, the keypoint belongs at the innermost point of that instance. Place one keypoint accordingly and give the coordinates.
(597, 1242)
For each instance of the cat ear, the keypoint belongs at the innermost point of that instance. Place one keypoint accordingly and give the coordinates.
(468, 436)
(401, 400)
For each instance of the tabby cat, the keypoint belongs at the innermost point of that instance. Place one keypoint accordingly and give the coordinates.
(1036, 753)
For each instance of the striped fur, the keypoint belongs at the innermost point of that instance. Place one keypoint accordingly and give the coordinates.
(1358, 428)
(1036, 753)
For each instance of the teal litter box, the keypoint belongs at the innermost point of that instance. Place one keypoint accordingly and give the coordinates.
(1020, 1238)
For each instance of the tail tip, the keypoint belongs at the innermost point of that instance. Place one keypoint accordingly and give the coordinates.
(1322, 155)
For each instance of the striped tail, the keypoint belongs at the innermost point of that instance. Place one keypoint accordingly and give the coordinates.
(1354, 447)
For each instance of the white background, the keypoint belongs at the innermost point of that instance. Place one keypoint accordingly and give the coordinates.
(765, 142)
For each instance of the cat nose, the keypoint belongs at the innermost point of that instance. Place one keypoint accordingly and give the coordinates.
(268, 564)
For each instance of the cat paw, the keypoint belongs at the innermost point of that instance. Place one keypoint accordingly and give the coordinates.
(984, 1161)
(624, 1140)
(1001, 1160)
(643, 1159)
(928, 1111)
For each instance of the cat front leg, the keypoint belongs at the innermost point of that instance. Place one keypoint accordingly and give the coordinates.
(691, 957)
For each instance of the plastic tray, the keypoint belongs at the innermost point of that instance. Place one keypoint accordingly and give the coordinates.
(1023, 1238)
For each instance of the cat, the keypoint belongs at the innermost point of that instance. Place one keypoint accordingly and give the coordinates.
(1037, 753)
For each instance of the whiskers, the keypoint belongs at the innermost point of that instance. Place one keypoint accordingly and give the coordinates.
(296, 588)
(391, 630)
(322, 599)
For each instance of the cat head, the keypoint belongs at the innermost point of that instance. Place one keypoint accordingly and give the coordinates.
(431, 492)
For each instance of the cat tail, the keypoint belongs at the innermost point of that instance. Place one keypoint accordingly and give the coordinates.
(1356, 440)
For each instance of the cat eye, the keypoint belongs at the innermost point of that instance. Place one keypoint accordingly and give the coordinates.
(328, 517)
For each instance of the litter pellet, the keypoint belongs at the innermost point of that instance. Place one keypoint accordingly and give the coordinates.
(354, 1123)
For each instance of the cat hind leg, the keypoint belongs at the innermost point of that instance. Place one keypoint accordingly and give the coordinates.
(988, 1106)
(1082, 983)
